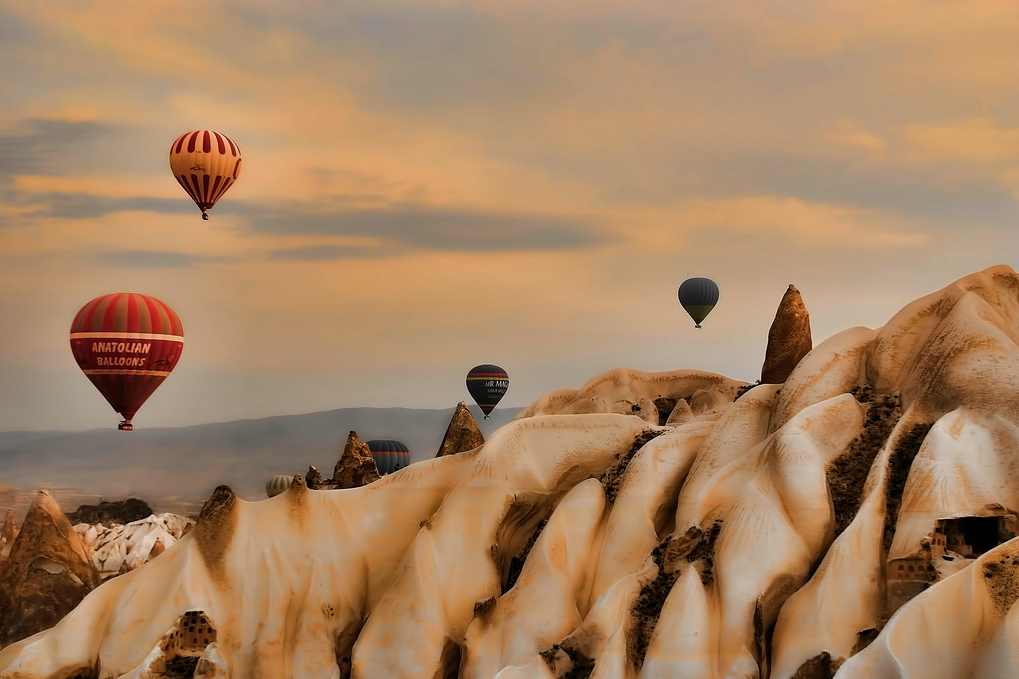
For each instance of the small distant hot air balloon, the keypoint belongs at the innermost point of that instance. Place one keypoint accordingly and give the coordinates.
(698, 296)
(487, 385)
(206, 164)
(278, 484)
(126, 344)
(389, 456)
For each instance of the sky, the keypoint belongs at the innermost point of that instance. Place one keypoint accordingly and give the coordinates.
(435, 184)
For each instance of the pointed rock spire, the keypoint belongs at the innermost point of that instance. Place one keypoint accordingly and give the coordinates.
(314, 479)
(788, 340)
(681, 413)
(356, 466)
(462, 434)
(48, 573)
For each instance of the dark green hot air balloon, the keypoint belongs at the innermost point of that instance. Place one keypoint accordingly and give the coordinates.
(487, 384)
(389, 456)
(698, 296)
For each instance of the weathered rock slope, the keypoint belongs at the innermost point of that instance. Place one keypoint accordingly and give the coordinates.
(856, 521)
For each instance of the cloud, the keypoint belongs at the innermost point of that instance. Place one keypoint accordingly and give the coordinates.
(87, 206)
(321, 253)
(12, 28)
(148, 259)
(806, 225)
(978, 140)
(451, 230)
(850, 135)
(41, 146)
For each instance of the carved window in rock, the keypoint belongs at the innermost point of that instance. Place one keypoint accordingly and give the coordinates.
(194, 632)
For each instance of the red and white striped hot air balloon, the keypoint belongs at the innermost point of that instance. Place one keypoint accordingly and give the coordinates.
(206, 164)
(126, 344)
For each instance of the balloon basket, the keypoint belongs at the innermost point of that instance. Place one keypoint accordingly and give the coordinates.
(125, 426)
(697, 325)
(205, 216)
(487, 417)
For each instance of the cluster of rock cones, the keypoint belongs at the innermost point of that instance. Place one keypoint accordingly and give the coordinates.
(46, 568)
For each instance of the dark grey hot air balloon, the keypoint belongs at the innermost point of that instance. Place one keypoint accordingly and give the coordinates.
(389, 455)
(698, 296)
(487, 384)
(278, 484)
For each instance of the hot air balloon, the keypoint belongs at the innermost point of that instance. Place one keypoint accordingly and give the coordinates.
(126, 344)
(487, 384)
(698, 296)
(389, 456)
(278, 484)
(206, 164)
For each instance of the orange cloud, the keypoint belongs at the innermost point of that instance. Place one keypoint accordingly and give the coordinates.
(848, 134)
(975, 140)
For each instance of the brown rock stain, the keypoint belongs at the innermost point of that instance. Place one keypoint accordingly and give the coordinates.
(215, 530)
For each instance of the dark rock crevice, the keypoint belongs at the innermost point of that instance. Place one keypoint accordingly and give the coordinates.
(847, 474)
(899, 464)
(612, 479)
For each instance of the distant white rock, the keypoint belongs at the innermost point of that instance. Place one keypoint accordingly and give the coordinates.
(131, 544)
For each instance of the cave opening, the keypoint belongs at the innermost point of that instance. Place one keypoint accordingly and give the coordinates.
(971, 536)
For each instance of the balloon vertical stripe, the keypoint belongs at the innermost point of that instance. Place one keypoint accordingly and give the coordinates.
(132, 313)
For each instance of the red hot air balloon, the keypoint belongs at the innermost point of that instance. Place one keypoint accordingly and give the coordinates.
(206, 164)
(126, 344)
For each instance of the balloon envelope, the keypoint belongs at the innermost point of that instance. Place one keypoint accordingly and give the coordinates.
(278, 484)
(205, 163)
(487, 385)
(389, 455)
(126, 344)
(698, 296)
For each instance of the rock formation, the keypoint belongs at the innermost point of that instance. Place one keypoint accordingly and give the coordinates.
(47, 574)
(131, 545)
(858, 520)
(111, 513)
(462, 434)
(314, 479)
(788, 340)
(681, 413)
(7, 536)
(356, 466)
(640, 393)
(157, 548)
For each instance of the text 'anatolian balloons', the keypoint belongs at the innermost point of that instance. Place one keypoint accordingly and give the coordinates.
(126, 344)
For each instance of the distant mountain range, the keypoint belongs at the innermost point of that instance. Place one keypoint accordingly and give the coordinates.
(180, 466)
